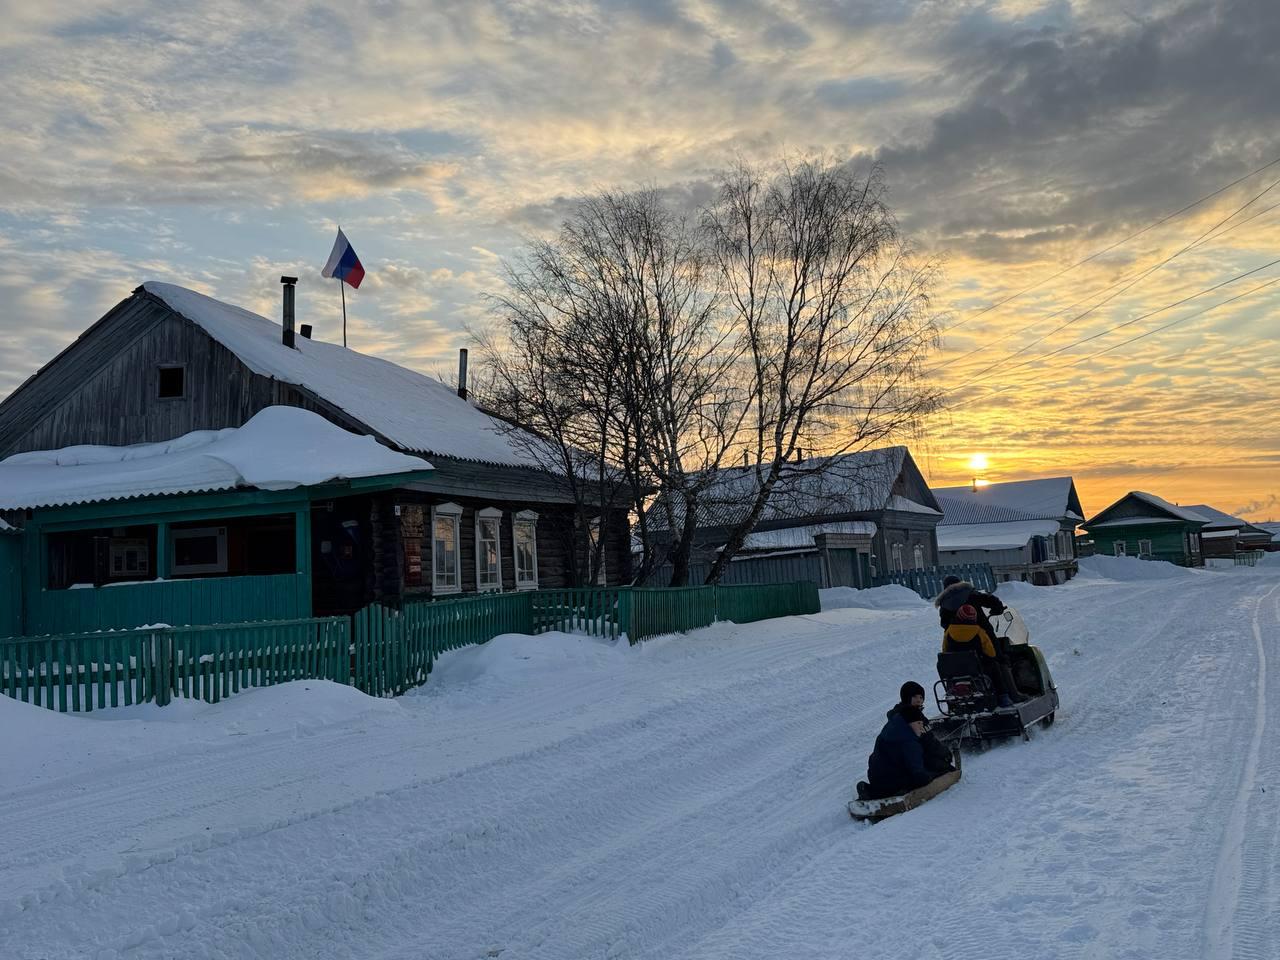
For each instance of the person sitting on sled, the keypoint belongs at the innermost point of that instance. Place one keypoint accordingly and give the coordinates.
(956, 593)
(896, 765)
(967, 634)
(937, 758)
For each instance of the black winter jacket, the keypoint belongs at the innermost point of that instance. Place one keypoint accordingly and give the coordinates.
(896, 765)
(954, 597)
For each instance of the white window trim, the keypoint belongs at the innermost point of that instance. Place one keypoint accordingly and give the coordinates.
(895, 555)
(524, 517)
(218, 566)
(447, 511)
(1119, 547)
(1144, 551)
(917, 557)
(488, 513)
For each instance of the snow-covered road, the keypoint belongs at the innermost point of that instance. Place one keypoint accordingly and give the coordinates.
(558, 798)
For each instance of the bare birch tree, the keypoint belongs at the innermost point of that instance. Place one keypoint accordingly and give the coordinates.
(832, 313)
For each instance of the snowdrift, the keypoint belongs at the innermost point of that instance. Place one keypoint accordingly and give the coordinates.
(1130, 569)
(889, 597)
(516, 656)
(1016, 591)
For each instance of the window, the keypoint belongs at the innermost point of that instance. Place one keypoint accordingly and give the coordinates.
(171, 381)
(1051, 548)
(525, 526)
(1195, 543)
(488, 550)
(895, 556)
(446, 518)
(198, 550)
(1144, 548)
(918, 554)
(1119, 548)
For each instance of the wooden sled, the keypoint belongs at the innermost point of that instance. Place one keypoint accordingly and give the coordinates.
(877, 810)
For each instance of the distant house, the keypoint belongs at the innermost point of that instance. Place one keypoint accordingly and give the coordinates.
(1225, 535)
(1025, 529)
(167, 362)
(836, 520)
(1272, 527)
(1144, 525)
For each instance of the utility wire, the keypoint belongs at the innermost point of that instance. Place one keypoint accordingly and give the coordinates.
(1061, 310)
(1138, 279)
(1118, 243)
(1146, 316)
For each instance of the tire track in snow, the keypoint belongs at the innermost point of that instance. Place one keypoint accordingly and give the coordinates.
(1229, 874)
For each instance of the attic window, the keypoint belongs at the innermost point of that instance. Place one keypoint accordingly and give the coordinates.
(172, 383)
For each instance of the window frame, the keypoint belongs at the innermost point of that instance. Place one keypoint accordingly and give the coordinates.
(1119, 548)
(453, 512)
(195, 569)
(895, 557)
(488, 515)
(160, 368)
(1145, 551)
(525, 518)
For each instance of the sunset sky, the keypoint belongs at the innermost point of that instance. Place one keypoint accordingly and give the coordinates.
(220, 148)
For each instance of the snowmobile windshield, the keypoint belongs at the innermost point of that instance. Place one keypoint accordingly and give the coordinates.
(1011, 627)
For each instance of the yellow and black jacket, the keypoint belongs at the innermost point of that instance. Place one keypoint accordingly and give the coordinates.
(963, 637)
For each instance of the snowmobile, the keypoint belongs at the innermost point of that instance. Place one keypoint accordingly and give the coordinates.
(885, 807)
(968, 704)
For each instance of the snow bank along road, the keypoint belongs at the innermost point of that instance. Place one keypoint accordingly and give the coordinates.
(560, 798)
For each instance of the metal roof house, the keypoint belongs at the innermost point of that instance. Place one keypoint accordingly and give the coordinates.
(212, 526)
(1224, 535)
(1143, 525)
(835, 520)
(1023, 528)
(167, 363)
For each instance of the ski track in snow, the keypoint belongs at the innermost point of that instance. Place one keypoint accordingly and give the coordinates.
(686, 800)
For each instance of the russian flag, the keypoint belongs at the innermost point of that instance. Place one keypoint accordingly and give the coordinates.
(343, 262)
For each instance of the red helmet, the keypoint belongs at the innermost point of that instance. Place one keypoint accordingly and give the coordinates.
(967, 613)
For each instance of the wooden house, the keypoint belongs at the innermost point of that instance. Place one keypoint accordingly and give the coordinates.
(838, 521)
(1225, 535)
(168, 361)
(1025, 529)
(1271, 527)
(1146, 526)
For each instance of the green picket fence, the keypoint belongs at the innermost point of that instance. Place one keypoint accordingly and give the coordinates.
(88, 671)
(380, 650)
(747, 603)
(1248, 558)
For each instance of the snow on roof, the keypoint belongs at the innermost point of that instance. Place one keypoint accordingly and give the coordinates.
(1219, 534)
(1182, 513)
(1132, 522)
(413, 411)
(279, 449)
(905, 505)
(1049, 497)
(993, 536)
(5, 528)
(789, 537)
(1217, 519)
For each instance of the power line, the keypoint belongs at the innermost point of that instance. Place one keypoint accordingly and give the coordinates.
(1138, 279)
(1204, 241)
(1147, 316)
(1118, 243)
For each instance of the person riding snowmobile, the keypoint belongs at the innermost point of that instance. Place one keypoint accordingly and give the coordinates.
(966, 634)
(956, 593)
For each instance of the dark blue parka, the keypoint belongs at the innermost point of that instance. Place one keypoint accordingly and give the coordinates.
(896, 765)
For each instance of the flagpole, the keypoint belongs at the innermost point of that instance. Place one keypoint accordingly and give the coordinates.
(344, 311)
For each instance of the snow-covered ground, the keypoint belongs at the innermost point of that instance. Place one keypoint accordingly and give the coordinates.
(560, 798)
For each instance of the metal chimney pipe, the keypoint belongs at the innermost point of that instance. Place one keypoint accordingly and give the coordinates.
(462, 373)
(287, 337)
(305, 330)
